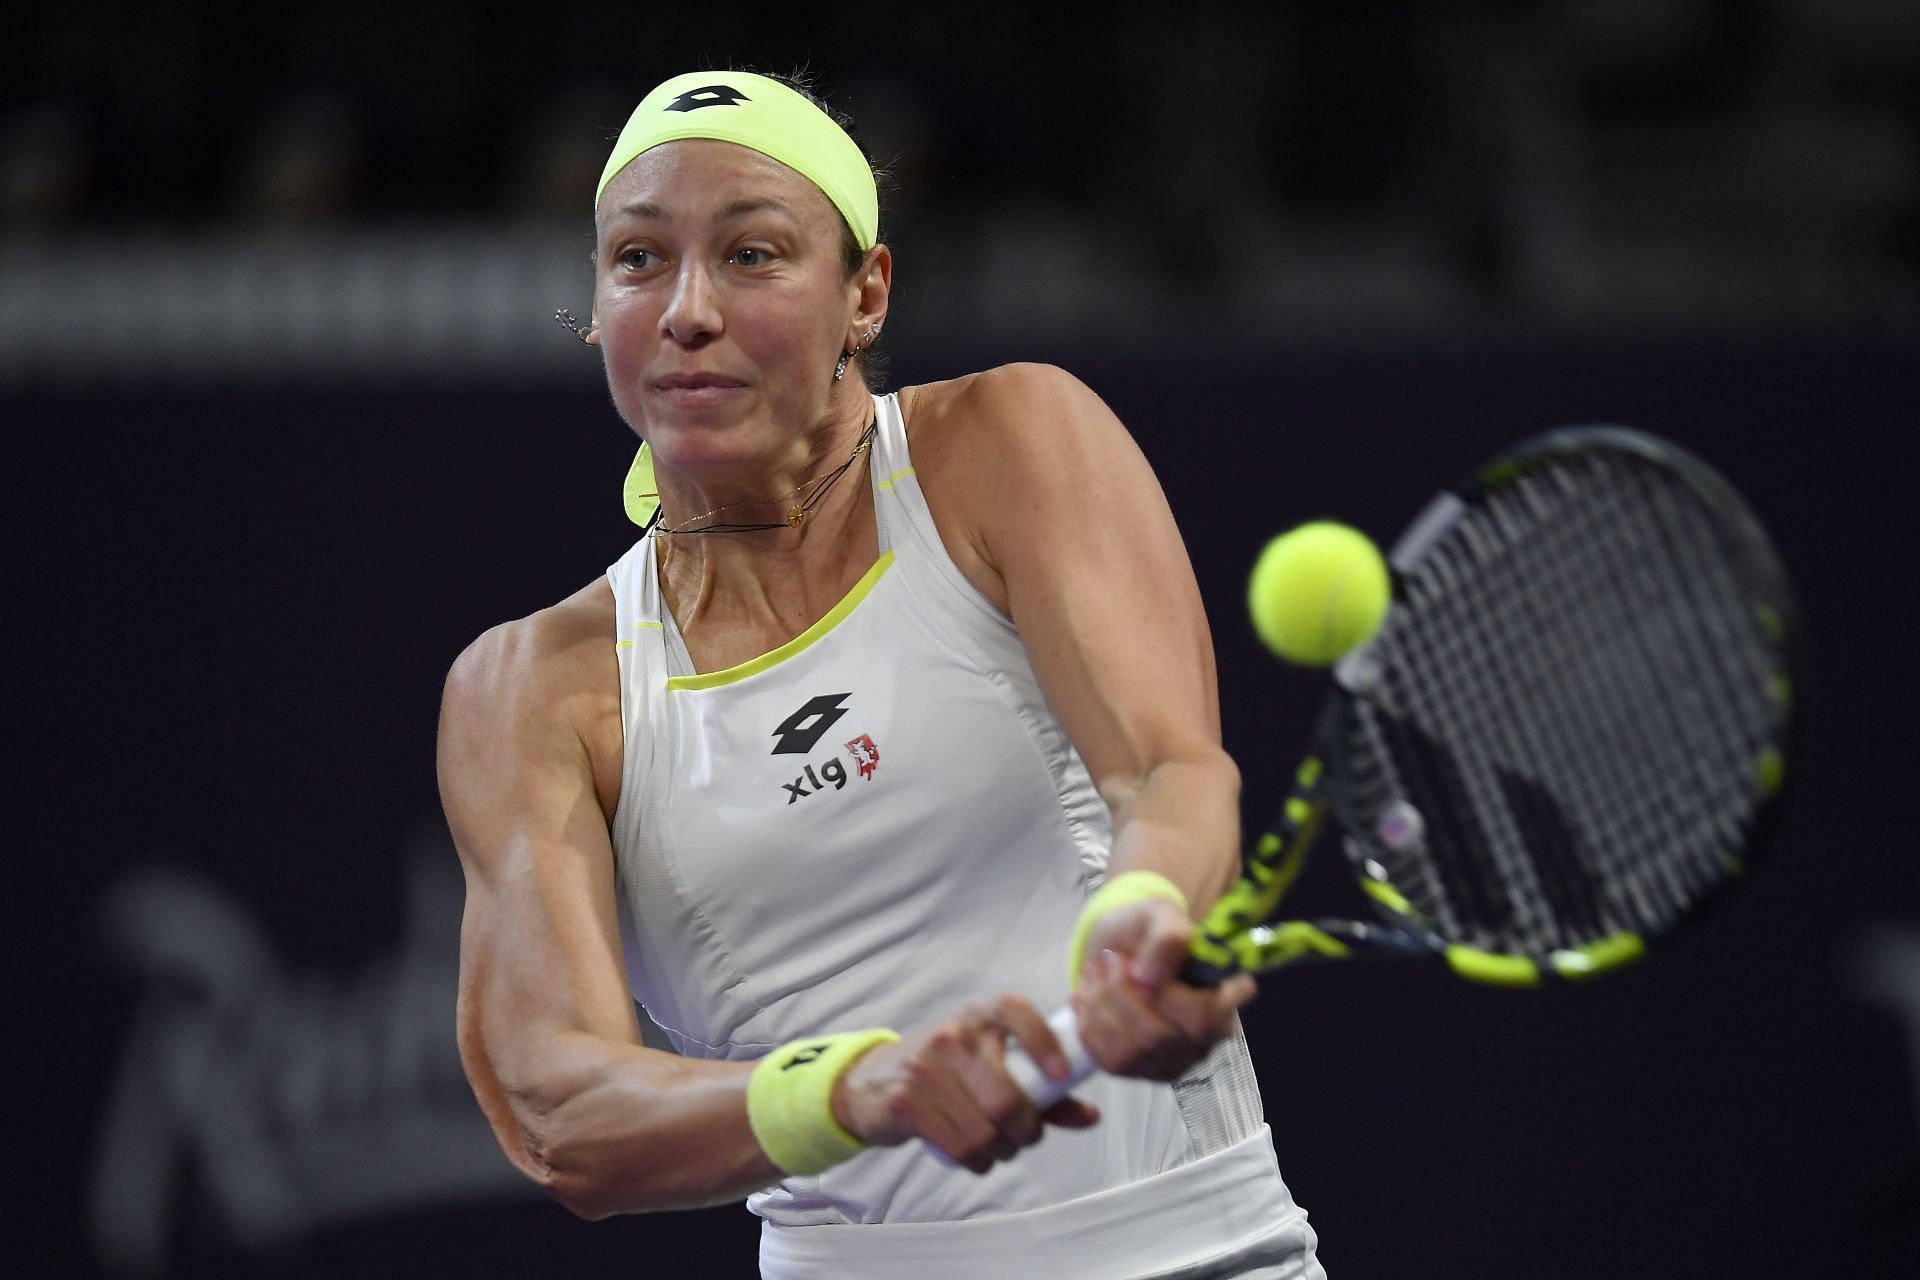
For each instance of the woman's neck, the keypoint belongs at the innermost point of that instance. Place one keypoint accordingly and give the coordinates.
(772, 580)
(763, 490)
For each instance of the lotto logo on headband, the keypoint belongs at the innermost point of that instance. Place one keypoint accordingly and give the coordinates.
(713, 95)
(777, 121)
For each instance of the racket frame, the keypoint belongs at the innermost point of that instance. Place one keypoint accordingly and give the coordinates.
(1239, 932)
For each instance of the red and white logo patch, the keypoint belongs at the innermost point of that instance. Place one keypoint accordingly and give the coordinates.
(865, 754)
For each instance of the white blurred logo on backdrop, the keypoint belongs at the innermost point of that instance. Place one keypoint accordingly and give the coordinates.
(279, 1101)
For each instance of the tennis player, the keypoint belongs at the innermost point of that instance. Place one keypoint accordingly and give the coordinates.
(898, 725)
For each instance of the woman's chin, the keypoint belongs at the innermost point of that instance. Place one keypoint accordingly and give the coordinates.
(703, 443)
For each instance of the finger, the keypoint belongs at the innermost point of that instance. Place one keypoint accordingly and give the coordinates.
(918, 1106)
(1071, 1113)
(983, 1073)
(1026, 1025)
(960, 1130)
(1137, 1012)
(1173, 1028)
(977, 1064)
(1203, 1014)
(932, 1126)
(1233, 995)
(948, 1090)
(1161, 953)
(1116, 1021)
(1131, 928)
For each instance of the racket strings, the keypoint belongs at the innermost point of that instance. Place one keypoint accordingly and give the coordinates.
(1660, 581)
(1532, 826)
(1573, 702)
(1504, 711)
(1677, 758)
(1619, 696)
(1715, 706)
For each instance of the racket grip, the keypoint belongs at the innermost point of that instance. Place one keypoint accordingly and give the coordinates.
(1040, 1089)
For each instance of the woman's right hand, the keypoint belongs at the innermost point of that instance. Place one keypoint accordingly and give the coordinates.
(948, 1085)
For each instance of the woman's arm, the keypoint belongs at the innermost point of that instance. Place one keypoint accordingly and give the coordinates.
(1064, 525)
(546, 1023)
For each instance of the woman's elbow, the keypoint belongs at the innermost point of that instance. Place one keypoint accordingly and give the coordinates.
(586, 1200)
(597, 1168)
(564, 1173)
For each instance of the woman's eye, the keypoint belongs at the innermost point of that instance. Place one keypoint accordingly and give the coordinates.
(636, 259)
(751, 257)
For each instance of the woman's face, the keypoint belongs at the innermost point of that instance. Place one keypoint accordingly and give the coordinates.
(723, 303)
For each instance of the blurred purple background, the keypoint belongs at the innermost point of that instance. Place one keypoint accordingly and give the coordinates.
(291, 424)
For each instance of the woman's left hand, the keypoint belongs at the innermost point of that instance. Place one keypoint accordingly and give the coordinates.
(1135, 1016)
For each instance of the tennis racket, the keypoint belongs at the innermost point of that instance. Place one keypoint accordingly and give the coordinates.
(1566, 736)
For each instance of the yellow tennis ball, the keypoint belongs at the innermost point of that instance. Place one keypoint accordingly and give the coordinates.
(1318, 591)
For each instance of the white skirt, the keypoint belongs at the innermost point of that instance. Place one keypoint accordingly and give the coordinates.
(1227, 1214)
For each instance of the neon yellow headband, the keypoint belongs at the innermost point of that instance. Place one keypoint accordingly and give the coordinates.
(765, 116)
(762, 115)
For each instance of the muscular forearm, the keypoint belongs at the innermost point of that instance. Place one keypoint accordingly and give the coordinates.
(1182, 820)
(1128, 951)
(614, 1128)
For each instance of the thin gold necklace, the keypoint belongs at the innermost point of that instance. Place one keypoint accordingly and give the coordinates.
(797, 511)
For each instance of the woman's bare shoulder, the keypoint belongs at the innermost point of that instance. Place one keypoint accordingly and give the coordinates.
(987, 402)
(545, 687)
(547, 649)
(978, 440)
(988, 432)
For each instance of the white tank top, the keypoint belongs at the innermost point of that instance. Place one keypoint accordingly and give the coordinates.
(871, 825)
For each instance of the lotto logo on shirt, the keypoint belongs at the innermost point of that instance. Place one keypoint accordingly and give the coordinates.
(798, 734)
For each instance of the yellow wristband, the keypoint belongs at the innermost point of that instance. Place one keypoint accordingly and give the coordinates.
(790, 1100)
(1128, 886)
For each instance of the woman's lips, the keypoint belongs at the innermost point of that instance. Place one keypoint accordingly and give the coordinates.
(695, 389)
